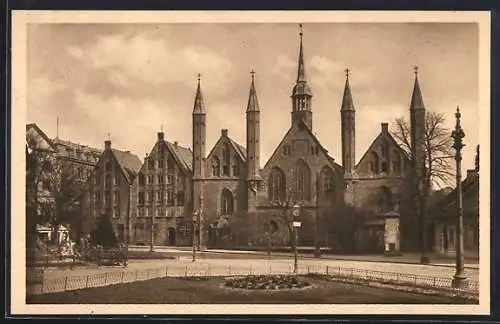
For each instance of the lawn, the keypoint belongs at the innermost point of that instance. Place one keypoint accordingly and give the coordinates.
(185, 291)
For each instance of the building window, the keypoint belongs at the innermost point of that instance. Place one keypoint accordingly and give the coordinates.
(170, 163)
(215, 166)
(107, 184)
(236, 168)
(160, 212)
(142, 179)
(116, 212)
(117, 179)
(160, 179)
(170, 198)
(287, 150)
(150, 197)
(180, 198)
(140, 211)
(107, 199)
(150, 212)
(170, 179)
(303, 181)
(384, 148)
(375, 162)
(276, 185)
(160, 164)
(151, 163)
(227, 203)
(116, 198)
(159, 196)
(225, 159)
(396, 163)
(150, 179)
(384, 167)
(141, 198)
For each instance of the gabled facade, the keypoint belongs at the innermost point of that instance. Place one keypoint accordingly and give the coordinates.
(109, 191)
(163, 190)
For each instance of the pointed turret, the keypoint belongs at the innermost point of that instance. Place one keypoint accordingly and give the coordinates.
(253, 146)
(199, 104)
(416, 98)
(347, 115)
(199, 137)
(301, 93)
(347, 102)
(253, 102)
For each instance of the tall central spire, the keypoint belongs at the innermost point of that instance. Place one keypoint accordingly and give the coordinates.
(301, 73)
(301, 93)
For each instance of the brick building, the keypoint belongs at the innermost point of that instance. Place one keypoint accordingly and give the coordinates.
(236, 202)
(109, 190)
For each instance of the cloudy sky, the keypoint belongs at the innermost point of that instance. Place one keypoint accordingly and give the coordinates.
(131, 79)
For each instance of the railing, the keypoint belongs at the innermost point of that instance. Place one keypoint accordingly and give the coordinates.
(441, 285)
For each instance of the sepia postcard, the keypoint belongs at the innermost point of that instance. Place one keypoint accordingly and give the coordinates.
(250, 162)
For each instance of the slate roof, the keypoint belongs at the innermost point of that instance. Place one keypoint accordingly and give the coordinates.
(130, 163)
(183, 154)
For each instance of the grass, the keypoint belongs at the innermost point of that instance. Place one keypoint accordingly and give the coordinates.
(212, 291)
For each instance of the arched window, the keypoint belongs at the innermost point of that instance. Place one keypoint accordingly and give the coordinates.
(276, 185)
(396, 162)
(142, 179)
(236, 168)
(375, 161)
(327, 180)
(215, 166)
(385, 200)
(384, 148)
(226, 202)
(303, 181)
(225, 159)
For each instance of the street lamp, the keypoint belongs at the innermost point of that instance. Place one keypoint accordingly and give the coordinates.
(296, 225)
(195, 220)
(459, 279)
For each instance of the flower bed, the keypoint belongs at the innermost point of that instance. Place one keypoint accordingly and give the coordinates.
(267, 282)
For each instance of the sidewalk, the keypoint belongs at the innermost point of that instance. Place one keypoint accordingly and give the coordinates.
(471, 261)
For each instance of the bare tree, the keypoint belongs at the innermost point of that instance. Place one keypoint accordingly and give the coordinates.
(438, 148)
(437, 166)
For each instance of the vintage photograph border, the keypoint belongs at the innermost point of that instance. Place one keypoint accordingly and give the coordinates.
(18, 117)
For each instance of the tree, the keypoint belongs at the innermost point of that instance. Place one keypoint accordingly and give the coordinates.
(345, 224)
(438, 150)
(437, 166)
(103, 234)
(51, 186)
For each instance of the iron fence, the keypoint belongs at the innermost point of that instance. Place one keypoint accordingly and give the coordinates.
(352, 275)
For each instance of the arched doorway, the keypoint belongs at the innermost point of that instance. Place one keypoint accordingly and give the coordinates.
(171, 236)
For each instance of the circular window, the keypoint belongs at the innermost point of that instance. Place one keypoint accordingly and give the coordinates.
(273, 226)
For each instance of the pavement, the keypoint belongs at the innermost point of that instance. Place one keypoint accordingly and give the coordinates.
(471, 261)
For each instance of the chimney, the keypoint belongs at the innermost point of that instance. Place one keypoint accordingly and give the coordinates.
(176, 143)
(161, 136)
(385, 127)
(470, 172)
(224, 132)
(107, 144)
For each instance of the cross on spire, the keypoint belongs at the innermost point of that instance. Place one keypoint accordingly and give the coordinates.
(199, 77)
(252, 73)
(415, 68)
(347, 72)
(300, 27)
(109, 136)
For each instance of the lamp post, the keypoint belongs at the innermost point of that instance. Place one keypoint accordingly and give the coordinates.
(459, 279)
(296, 225)
(195, 220)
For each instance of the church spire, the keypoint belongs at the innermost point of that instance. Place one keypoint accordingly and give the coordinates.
(416, 98)
(253, 102)
(301, 73)
(301, 93)
(199, 104)
(347, 102)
